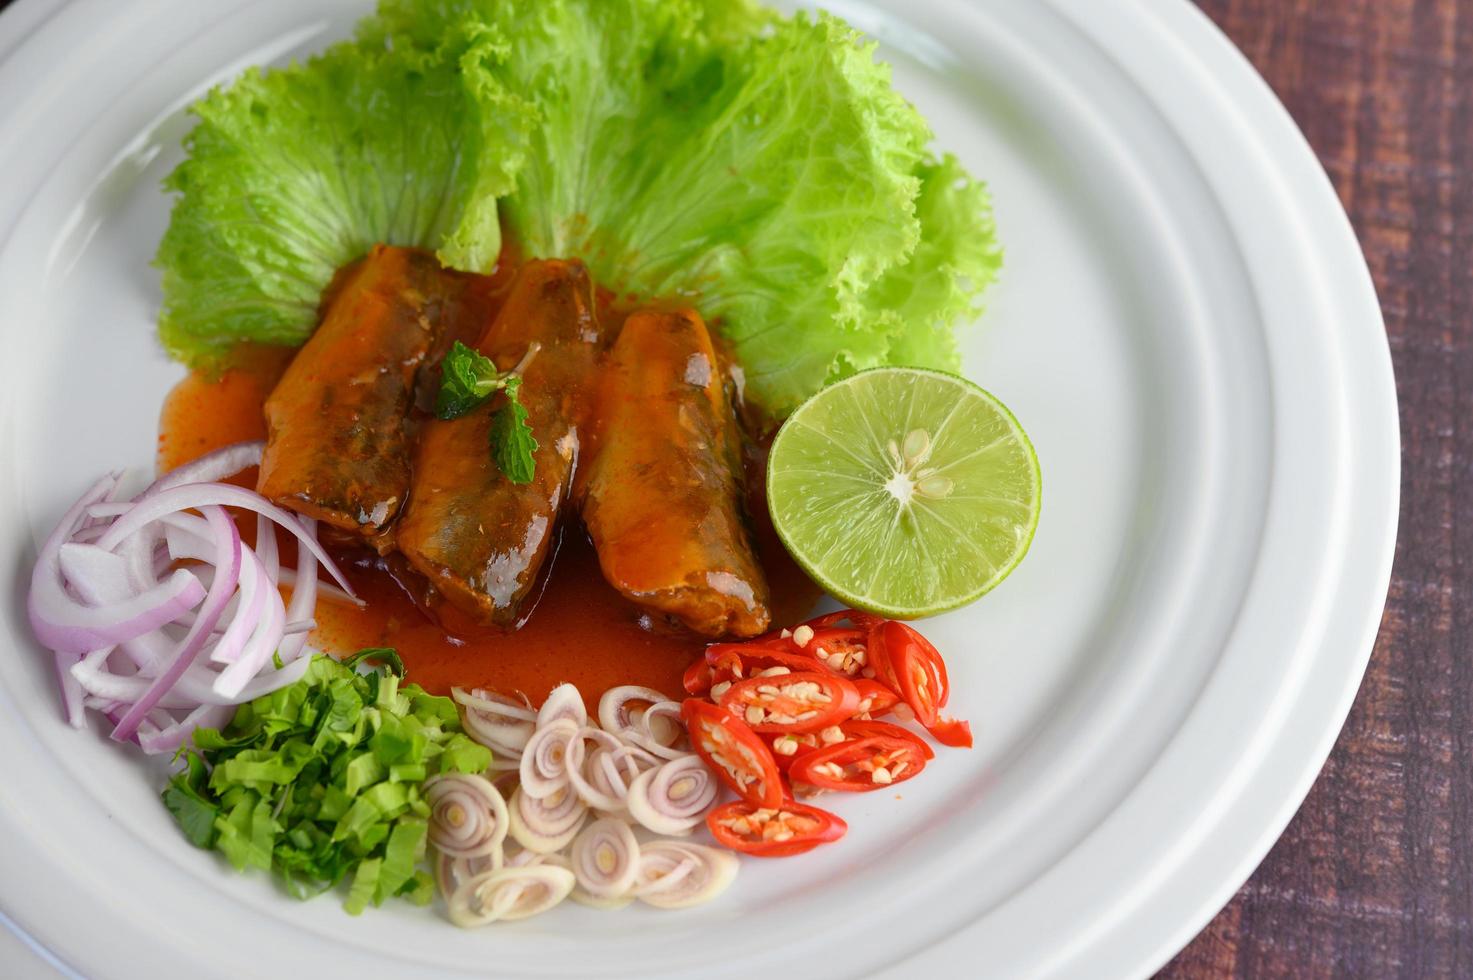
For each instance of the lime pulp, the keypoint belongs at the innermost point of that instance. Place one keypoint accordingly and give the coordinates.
(903, 491)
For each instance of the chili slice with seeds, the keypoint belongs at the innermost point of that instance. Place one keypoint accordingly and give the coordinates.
(797, 702)
(860, 765)
(790, 746)
(875, 699)
(734, 752)
(867, 729)
(908, 663)
(792, 828)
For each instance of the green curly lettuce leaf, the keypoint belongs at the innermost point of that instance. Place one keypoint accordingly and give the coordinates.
(922, 301)
(761, 168)
(293, 173)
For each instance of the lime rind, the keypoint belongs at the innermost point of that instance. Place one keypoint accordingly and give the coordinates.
(833, 507)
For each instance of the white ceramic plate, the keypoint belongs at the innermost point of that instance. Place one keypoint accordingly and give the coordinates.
(1186, 328)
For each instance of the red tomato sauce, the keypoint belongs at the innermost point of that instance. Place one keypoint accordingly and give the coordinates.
(582, 631)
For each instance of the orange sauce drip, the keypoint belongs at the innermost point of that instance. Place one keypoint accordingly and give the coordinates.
(582, 631)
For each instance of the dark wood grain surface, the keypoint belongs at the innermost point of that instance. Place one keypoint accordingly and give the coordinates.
(1374, 878)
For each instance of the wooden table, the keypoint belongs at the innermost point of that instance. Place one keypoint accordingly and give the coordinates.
(1374, 878)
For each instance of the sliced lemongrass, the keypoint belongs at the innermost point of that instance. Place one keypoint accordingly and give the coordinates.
(563, 703)
(677, 875)
(546, 824)
(674, 798)
(605, 858)
(544, 765)
(468, 816)
(509, 894)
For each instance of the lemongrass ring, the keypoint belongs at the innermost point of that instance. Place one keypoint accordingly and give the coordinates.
(452, 872)
(468, 817)
(496, 721)
(509, 894)
(578, 768)
(613, 707)
(605, 858)
(660, 730)
(710, 872)
(674, 798)
(564, 703)
(546, 824)
(544, 764)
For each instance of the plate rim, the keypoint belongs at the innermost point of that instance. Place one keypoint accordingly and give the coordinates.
(1236, 82)
(1195, 31)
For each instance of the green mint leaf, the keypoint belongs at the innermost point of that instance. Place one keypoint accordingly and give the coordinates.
(467, 379)
(512, 442)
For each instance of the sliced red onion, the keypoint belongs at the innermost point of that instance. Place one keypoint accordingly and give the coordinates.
(468, 817)
(67, 626)
(452, 872)
(170, 737)
(266, 547)
(546, 824)
(563, 702)
(227, 573)
(194, 687)
(605, 858)
(544, 766)
(73, 701)
(304, 596)
(224, 462)
(509, 894)
(674, 798)
(258, 651)
(325, 592)
(193, 496)
(677, 875)
(161, 649)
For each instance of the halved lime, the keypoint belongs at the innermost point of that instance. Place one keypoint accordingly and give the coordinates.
(903, 491)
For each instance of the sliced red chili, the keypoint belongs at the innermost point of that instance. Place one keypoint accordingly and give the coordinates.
(796, 702)
(734, 752)
(856, 618)
(781, 831)
(907, 662)
(790, 746)
(875, 699)
(738, 661)
(952, 731)
(859, 765)
(840, 649)
(698, 678)
(883, 729)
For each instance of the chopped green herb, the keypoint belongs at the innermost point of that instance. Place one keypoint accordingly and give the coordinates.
(512, 442)
(322, 781)
(384, 655)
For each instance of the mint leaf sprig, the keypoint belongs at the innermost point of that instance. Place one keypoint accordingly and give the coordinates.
(467, 380)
